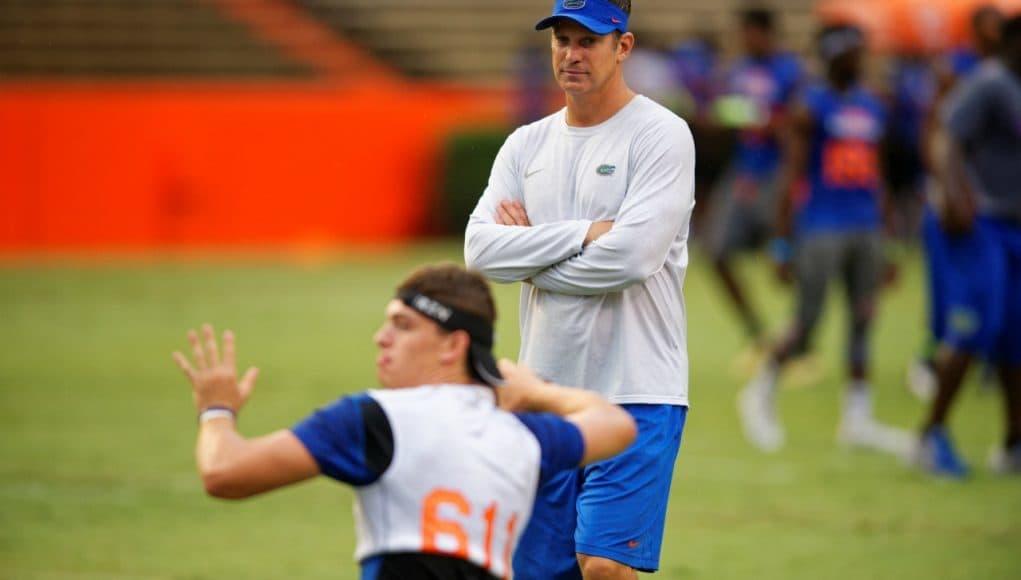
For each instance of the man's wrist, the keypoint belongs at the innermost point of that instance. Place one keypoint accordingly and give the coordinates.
(211, 412)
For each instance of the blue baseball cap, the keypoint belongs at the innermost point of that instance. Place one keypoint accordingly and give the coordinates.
(599, 16)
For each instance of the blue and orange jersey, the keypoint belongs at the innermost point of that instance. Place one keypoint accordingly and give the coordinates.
(770, 83)
(843, 164)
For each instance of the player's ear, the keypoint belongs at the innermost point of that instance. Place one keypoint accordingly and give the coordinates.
(625, 45)
(456, 347)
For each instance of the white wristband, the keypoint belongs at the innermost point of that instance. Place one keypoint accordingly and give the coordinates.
(216, 413)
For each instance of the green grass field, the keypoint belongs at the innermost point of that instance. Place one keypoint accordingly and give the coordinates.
(97, 431)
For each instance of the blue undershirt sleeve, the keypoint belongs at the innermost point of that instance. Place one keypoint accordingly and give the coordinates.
(560, 441)
(350, 439)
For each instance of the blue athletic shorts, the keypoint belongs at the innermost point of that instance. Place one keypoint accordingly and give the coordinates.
(935, 242)
(967, 277)
(1006, 235)
(614, 508)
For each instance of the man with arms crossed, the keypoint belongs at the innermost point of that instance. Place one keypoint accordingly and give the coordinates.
(444, 478)
(590, 208)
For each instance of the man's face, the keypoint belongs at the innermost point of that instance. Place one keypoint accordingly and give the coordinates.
(583, 61)
(847, 68)
(987, 32)
(411, 347)
(757, 41)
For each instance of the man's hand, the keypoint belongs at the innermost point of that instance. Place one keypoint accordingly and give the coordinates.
(958, 214)
(596, 231)
(519, 388)
(214, 380)
(606, 429)
(511, 213)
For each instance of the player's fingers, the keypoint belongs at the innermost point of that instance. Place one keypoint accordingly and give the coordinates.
(514, 210)
(196, 350)
(503, 216)
(228, 349)
(247, 384)
(212, 349)
(520, 213)
(182, 363)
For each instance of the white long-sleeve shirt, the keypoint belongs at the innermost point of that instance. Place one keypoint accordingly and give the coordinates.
(609, 316)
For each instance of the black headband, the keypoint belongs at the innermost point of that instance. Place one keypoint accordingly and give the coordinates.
(481, 332)
(451, 318)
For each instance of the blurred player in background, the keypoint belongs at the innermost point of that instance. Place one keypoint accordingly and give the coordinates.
(444, 475)
(980, 259)
(912, 89)
(756, 92)
(940, 244)
(695, 68)
(589, 208)
(836, 132)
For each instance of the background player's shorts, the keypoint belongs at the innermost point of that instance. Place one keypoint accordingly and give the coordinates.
(743, 212)
(1004, 289)
(970, 285)
(935, 243)
(614, 508)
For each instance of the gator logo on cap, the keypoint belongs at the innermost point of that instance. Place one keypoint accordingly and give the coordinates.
(606, 169)
(574, 4)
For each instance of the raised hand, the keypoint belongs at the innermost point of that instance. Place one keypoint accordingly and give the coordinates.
(213, 378)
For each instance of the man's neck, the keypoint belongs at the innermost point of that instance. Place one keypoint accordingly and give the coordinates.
(842, 84)
(593, 109)
(449, 377)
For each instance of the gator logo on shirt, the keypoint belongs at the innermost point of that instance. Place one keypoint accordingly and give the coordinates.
(606, 169)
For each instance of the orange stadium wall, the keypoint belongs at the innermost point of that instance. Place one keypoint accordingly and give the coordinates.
(150, 167)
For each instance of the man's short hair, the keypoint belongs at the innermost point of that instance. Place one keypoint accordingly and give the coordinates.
(983, 12)
(760, 18)
(1011, 31)
(624, 5)
(453, 286)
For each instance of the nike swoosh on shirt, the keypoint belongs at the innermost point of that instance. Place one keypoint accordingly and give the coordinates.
(531, 173)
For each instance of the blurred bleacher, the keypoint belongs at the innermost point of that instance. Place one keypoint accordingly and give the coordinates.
(476, 42)
(450, 40)
(132, 38)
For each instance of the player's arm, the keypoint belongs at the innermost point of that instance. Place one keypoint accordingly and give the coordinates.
(658, 203)
(963, 116)
(790, 83)
(509, 250)
(606, 429)
(794, 166)
(231, 466)
(795, 144)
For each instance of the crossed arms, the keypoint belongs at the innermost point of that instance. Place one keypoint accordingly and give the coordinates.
(585, 257)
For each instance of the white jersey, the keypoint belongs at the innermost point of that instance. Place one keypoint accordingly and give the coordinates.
(472, 500)
(609, 316)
